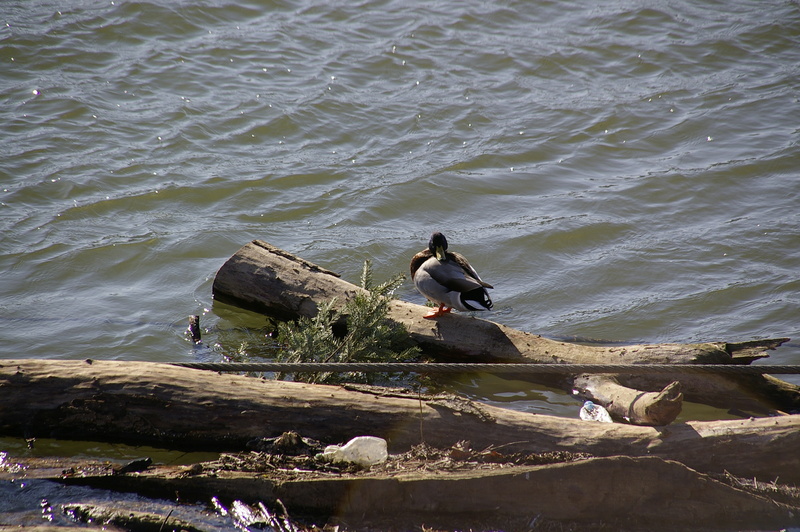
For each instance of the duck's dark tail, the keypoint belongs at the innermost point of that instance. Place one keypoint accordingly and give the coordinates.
(477, 299)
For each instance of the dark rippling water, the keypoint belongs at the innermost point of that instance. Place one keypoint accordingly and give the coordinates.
(625, 171)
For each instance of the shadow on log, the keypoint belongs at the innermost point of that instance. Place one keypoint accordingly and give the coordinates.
(266, 279)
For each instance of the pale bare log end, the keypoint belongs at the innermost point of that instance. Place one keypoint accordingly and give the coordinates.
(663, 407)
(266, 279)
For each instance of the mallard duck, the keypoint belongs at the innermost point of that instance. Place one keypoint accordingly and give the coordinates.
(447, 279)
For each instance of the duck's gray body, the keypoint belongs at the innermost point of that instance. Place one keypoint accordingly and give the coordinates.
(448, 279)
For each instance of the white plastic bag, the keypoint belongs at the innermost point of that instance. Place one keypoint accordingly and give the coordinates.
(593, 412)
(362, 450)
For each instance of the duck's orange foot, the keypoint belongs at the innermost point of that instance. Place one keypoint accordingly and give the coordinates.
(435, 313)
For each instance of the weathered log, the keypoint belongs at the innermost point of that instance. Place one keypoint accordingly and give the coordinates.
(179, 408)
(266, 279)
(639, 408)
(626, 492)
(641, 492)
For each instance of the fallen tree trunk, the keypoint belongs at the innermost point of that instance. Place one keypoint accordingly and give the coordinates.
(444, 492)
(638, 492)
(266, 279)
(179, 408)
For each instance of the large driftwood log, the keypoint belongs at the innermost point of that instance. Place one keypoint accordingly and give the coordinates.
(266, 279)
(620, 492)
(179, 408)
(628, 492)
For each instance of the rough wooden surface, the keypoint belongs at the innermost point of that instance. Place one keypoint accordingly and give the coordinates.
(267, 279)
(168, 406)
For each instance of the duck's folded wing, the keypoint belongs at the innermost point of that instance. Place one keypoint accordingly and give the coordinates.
(462, 261)
(452, 276)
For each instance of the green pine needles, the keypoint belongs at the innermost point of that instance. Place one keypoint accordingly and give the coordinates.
(369, 336)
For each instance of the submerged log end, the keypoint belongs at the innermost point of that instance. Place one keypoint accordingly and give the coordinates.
(634, 406)
(194, 329)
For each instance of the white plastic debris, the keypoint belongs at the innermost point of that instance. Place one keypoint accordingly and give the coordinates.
(362, 450)
(593, 412)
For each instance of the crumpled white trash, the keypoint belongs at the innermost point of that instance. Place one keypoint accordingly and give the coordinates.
(362, 450)
(593, 412)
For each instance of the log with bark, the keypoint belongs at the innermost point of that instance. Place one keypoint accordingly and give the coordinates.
(269, 280)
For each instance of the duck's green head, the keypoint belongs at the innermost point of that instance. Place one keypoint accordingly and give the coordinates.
(438, 246)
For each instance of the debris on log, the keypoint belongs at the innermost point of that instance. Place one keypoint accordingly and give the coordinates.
(456, 488)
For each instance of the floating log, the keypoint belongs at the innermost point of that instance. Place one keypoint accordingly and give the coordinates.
(179, 408)
(272, 281)
(266, 279)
